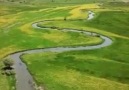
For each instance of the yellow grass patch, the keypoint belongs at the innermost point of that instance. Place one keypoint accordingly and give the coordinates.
(27, 28)
(7, 50)
(77, 12)
(41, 10)
(4, 21)
(55, 36)
(66, 7)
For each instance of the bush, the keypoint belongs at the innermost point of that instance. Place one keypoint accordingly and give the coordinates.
(8, 62)
(9, 72)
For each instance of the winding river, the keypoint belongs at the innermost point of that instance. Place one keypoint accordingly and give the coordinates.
(24, 80)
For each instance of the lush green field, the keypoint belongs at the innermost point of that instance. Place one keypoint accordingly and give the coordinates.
(77, 71)
(102, 69)
(16, 33)
(92, 70)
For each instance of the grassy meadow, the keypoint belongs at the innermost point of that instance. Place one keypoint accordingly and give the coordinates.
(102, 69)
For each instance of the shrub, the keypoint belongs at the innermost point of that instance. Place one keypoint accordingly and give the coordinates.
(9, 72)
(8, 62)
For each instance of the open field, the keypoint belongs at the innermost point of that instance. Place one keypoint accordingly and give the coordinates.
(19, 35)
(101, 69)
(69, 70)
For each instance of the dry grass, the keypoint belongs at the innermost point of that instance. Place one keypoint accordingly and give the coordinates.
(77, 12)
(7, 50)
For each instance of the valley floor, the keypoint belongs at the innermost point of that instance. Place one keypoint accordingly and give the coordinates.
(100, 69)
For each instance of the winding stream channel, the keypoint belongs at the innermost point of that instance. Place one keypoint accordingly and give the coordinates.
(24, 80)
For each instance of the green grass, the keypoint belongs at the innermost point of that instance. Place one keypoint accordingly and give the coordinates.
(3, 80)
(20, 35)
(107, 66)
(17, 34)
(76, 71)
(11, 82)
(115, 22)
